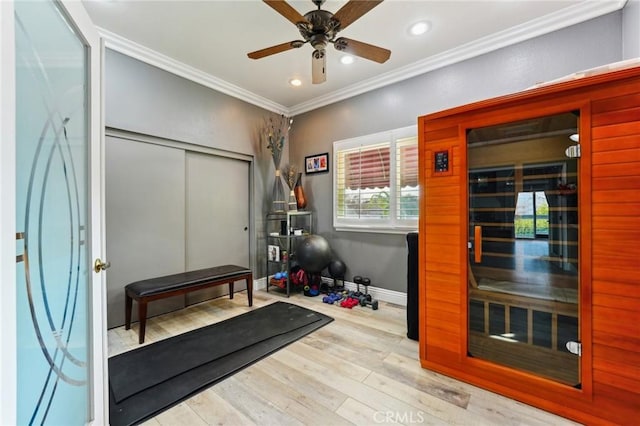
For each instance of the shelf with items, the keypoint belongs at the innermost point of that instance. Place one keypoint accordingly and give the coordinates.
(284, 232)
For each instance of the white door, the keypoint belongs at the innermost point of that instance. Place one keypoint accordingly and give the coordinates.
(59, 300)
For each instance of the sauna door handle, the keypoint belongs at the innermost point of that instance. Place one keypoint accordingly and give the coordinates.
(477, 237)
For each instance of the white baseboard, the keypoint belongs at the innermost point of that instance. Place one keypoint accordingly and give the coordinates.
(260, 283)
(382, 294)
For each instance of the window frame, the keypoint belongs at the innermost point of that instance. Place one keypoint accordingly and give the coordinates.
(393, 224)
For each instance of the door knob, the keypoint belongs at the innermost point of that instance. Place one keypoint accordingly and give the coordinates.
(99, 265)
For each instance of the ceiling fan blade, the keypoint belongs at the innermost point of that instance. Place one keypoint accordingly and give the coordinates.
(275, 49)
(286, 10)
(364, 50)
(318, 67)
(353, 10)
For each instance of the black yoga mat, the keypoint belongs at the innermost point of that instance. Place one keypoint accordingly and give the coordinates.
(145, 381)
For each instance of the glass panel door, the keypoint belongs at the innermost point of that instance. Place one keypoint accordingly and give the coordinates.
(53, 275)
(523, 250)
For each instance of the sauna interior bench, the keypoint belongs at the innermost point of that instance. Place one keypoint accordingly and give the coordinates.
(151, 289)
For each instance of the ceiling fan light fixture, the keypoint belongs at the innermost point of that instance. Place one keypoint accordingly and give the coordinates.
(347, 59)
(419, 28)
(319, 28)
(318, 67)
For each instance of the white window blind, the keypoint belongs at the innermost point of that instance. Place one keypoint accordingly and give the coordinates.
(376, 181)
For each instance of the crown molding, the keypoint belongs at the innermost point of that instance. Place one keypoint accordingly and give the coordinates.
(566, 17)
(137, 51)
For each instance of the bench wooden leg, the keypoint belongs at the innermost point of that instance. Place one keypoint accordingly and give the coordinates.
(250, 289)
(128, 306)
(142, 317)
(231, 290)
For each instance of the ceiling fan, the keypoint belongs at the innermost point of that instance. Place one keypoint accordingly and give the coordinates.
(319, 28)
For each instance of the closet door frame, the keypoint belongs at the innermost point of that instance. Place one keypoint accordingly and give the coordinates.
(201, 149)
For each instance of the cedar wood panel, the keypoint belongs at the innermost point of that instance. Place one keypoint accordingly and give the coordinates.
(609, 196)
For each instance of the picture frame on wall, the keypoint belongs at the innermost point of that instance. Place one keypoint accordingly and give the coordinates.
(273, 253)
(318, 163)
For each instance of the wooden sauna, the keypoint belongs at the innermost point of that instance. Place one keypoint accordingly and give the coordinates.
(529, 246)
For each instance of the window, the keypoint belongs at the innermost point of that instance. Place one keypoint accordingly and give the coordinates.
(532, 215)
(375, 182)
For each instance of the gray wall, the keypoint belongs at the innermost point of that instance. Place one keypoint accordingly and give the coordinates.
(631, 30)
(143, 99)
(382, 257)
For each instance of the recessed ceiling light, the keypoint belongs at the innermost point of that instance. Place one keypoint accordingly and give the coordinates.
(295, 82)
(419, 28)
(347, 59)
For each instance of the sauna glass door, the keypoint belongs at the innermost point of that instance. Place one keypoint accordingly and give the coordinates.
(523, 246)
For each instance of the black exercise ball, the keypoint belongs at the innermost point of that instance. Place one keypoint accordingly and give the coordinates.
(337, 268)
(313, 253)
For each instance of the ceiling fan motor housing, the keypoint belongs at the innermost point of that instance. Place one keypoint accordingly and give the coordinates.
(319, 29)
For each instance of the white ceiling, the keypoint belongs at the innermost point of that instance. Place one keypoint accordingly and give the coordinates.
(208, 41)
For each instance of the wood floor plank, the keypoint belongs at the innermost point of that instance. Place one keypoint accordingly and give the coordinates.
(325, 396)
(355, 332)
(407, 370)
(336, 345)
(422, 401)
(296, 404)
(503, 411)
(423, 381)
(215, 410)
(360, 369)
(337, 365)
(484, 404)
(260, 410)
(180, 414)
(356, 412)
(409, 348)
(299, 359)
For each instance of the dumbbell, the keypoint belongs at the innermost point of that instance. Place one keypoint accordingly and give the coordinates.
(366, 282)
(366, 299)
(332, 298)
(358, 296)
(372, 303)
(361, 280)
(358, 280)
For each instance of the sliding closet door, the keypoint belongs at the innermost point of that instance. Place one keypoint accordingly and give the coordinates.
(217, 212)
(145, 216)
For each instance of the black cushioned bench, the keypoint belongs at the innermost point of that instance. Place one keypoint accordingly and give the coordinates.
(173, 285)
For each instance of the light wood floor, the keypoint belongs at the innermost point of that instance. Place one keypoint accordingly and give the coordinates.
(360, 369)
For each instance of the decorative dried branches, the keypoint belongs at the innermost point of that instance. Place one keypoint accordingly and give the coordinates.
(275, 133)
(290, 176)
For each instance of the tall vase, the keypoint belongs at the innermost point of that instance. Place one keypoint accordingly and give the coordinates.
(293, 204)
(301, 200)
(277, 195)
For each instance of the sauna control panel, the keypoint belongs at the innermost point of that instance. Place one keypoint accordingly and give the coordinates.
(442, 162)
